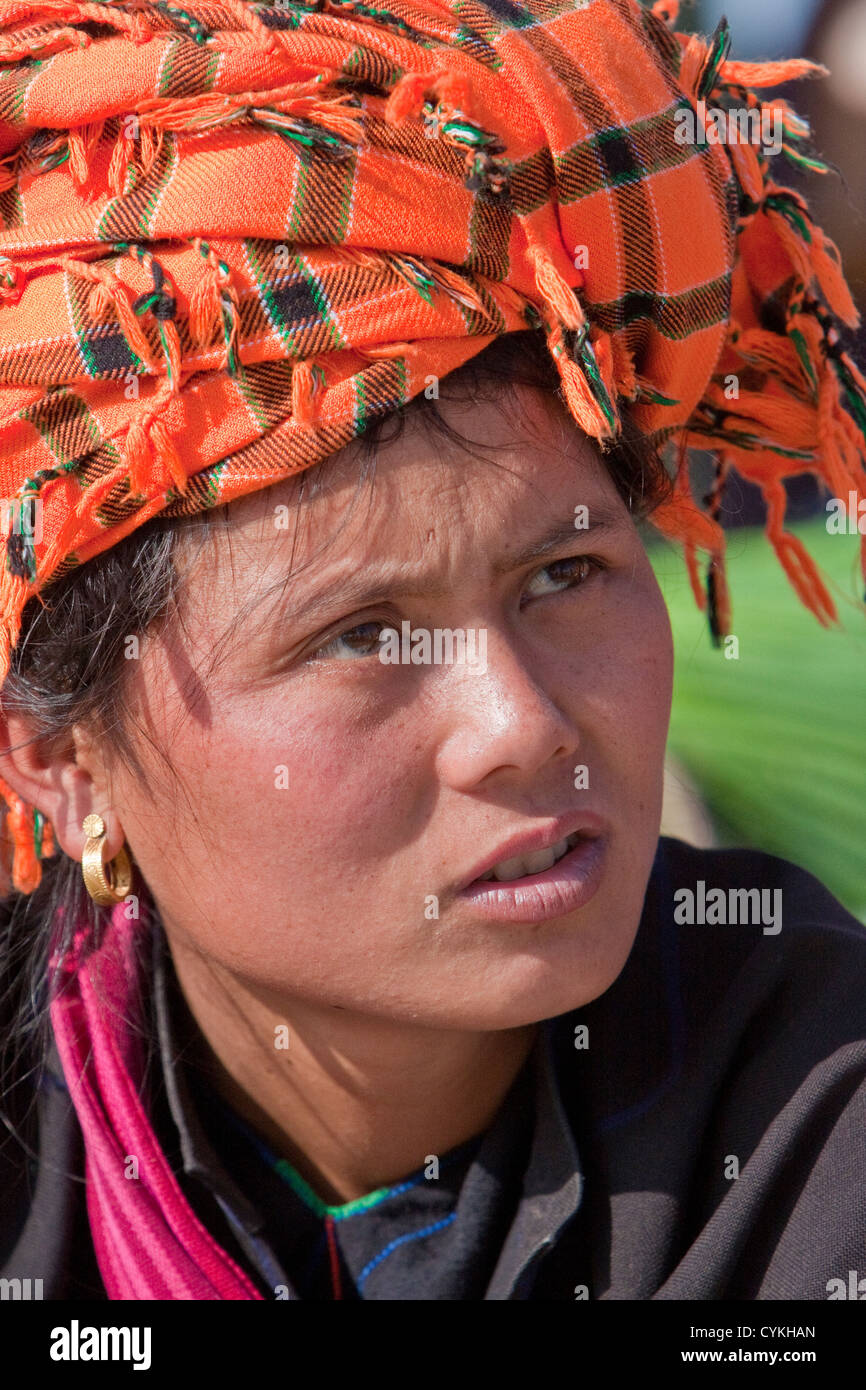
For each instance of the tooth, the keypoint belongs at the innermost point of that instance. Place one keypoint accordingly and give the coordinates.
(509, 869)
(521, 865)
(524, 864)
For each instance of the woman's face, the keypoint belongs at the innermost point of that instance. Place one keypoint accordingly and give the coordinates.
(332, 805)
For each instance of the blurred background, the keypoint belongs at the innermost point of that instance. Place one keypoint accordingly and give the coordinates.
(769, 750)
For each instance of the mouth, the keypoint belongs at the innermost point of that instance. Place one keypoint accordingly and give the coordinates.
(560, 880)
(528, 866)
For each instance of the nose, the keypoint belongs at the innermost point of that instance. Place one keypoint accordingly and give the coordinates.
(503, 717)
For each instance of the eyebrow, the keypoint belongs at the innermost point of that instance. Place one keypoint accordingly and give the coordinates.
(365, 588)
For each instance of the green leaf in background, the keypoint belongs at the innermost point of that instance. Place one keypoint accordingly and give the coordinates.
(776, 739)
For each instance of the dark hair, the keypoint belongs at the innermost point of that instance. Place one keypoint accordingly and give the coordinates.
(68, 666)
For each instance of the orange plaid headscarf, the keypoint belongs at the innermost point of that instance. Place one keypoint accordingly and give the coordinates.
(234, 232)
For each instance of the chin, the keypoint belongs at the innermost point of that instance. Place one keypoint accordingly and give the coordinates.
(543, 987)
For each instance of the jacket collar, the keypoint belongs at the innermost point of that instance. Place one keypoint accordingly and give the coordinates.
(552, 1181)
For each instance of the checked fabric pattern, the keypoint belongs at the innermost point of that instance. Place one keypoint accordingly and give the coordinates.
(233, 233)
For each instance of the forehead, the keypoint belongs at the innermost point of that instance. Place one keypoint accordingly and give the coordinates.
(434, 519)
(523, 455)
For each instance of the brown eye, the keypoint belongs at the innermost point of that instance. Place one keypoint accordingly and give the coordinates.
(361, 640)
(572, 572)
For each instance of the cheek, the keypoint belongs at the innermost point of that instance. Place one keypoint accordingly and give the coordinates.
(652, 663)
(278, 862)
(621, 702)
(312, 791)
(632, 672)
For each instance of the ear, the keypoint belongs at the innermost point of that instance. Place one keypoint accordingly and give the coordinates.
(66, 783)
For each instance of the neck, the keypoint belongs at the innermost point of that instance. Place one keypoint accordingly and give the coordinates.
(354, 1102)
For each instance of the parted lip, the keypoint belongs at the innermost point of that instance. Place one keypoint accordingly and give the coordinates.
(584, 823)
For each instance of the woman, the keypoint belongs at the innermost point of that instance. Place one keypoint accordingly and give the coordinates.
(344, 958)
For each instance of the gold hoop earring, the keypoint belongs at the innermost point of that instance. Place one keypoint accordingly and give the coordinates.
(104, 890)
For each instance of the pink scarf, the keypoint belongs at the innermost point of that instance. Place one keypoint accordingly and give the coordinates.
(149, 1243)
